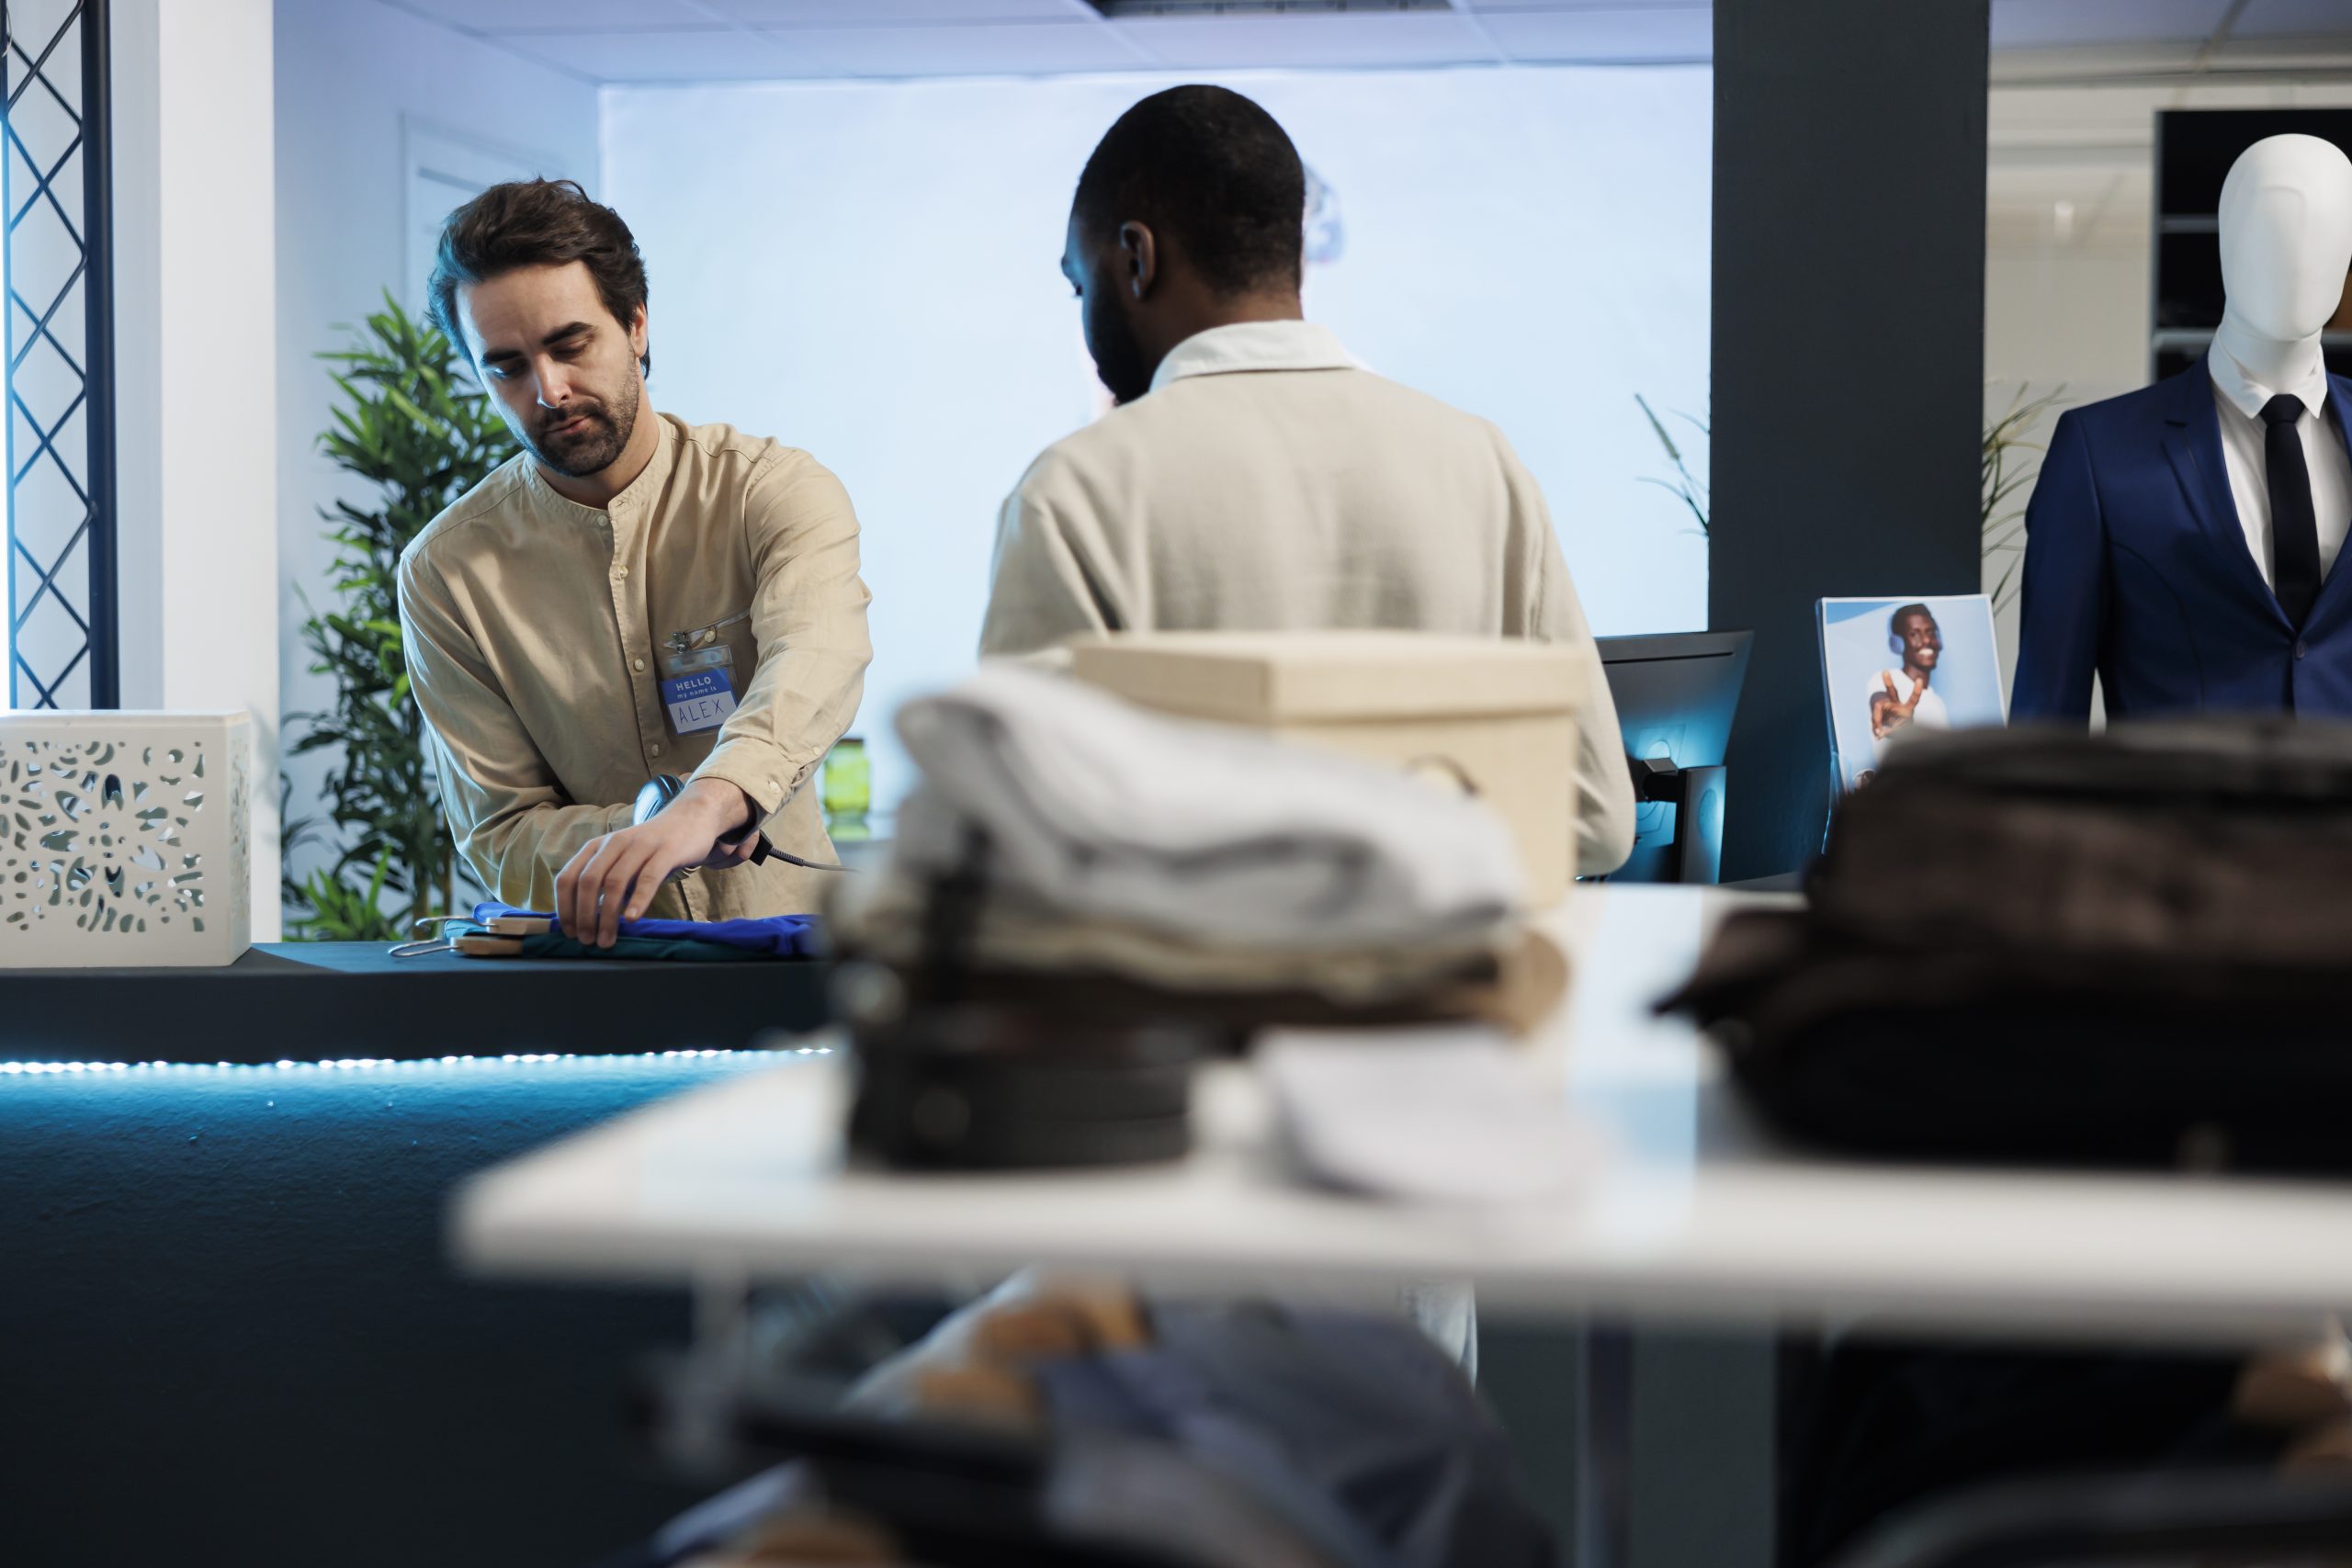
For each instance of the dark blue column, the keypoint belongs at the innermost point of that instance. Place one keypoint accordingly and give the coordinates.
(1849, 356)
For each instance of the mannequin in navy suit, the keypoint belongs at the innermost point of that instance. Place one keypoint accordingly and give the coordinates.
(2153, 556)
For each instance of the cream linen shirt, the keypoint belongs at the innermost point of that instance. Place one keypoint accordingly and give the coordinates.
(1268, 482)
(534, 627)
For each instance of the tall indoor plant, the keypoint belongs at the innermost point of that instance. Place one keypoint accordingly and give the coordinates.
(411, 426)
(2006, 474)
(1686, 487)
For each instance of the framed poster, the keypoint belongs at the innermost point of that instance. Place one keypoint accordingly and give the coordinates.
(1893, 667)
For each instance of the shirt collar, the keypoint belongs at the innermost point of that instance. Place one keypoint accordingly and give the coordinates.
(1255, 345)
(2247, 395)
(635, 496)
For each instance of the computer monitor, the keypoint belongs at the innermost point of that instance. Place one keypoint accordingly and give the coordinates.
(1676, 694)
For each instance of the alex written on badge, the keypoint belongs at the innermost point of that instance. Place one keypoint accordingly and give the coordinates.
(698, 685)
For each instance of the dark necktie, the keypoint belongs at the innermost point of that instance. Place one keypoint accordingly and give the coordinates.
(2294, 522)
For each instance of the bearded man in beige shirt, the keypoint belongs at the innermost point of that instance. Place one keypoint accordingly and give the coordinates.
(629, 595)
(1255, 477)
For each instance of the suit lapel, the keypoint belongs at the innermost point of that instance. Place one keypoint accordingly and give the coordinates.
(2331, 596)
(2193, 443)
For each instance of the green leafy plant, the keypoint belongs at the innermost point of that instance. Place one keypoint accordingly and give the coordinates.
(1689, 489)
(2005, 472)
(411, 426)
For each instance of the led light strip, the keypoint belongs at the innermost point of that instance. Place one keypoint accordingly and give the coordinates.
(357, 1063)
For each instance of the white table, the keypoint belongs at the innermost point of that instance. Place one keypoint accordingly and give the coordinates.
(1692, 1215)
(1690, 1212)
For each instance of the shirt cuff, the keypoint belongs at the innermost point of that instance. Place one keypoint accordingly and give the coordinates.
(760, 772)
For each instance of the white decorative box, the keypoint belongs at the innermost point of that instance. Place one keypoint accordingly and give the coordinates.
(125, 839)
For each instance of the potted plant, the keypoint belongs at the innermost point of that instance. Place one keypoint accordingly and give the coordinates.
(2004, 473)
(412, 426)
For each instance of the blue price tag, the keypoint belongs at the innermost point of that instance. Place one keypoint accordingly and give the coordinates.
(698, 701)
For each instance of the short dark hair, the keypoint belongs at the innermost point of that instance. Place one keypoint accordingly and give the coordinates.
(1211, 170)
(1895, 622)
(536, 223)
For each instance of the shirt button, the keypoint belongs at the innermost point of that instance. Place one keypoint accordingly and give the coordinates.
(653, 751)
(637, 663)
(2301, 648)
(622, 572)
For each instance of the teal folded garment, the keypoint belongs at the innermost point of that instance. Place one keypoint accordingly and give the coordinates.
(672, 949)
(770, 936)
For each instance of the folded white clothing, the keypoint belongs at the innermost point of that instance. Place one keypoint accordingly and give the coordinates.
(1092, 806)
(1449, 1115)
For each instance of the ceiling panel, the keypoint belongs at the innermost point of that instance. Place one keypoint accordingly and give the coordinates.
(1413, 38)
(894, 13)
(1497, 7)
(1005, 50)
(2295, 19)
(2309, 59)
(2078, 64)
(671, 40)
(2042, 24)
(1618, 33)
(719, 54)
(563, 15)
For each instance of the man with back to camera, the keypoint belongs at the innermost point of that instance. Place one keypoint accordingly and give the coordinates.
(1903, 697)
(628, 595)
(1255, 477)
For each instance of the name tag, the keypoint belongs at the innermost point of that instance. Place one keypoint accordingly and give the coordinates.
(698, 701)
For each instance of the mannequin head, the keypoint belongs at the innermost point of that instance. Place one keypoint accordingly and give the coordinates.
(2286, 236)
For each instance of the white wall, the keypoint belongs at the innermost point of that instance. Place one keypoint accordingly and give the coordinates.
(196, 397)
(868, 271)
(354, 78)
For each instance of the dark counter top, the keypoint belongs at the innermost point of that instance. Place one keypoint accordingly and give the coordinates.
(329, 1000)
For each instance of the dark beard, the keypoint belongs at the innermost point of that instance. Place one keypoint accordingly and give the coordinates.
(591, 450)
(1118, 360)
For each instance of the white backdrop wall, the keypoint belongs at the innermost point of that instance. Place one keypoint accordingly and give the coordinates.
(360, 87)
(196, 381)
(868, 271)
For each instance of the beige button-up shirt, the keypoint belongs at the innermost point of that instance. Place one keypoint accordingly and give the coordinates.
(1268, 482)
(535, 629)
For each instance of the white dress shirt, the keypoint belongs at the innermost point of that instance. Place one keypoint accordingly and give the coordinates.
(1269, 482)
(2238, 399)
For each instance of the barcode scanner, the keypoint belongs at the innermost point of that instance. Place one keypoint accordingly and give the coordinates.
(662, 788)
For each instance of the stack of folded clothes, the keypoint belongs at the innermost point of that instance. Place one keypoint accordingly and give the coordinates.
(1062, 832)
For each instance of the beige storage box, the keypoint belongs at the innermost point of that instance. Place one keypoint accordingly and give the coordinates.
(1500, 715)
(125, 839)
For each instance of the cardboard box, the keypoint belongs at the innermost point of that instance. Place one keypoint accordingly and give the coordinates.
(125, 839)
(1500, 716)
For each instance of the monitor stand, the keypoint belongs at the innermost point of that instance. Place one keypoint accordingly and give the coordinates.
(1696, 854)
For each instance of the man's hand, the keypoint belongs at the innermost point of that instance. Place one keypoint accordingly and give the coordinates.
(614, 877)
(1892, 712)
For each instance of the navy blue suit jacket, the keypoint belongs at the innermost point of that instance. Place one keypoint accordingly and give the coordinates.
(2136, 567)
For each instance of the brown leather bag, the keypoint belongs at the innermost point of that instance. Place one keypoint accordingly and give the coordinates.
(2133, 947)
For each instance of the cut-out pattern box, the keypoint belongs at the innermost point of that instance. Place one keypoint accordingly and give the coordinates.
(125, 839)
